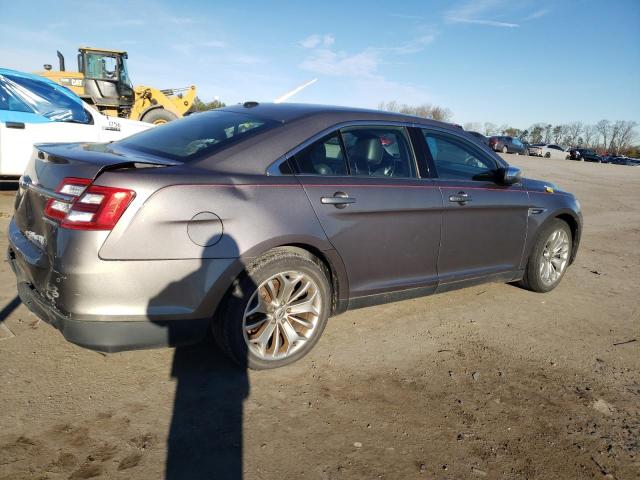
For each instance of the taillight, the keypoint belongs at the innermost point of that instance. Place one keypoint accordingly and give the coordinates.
(493, 141)
(74, 187)
(92, 207)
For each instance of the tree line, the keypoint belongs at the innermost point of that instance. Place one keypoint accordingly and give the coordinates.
(605, 136)
(616, 137)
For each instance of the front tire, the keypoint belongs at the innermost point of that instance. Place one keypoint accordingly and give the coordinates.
(276, 311)
(159, 116)
(549, 258)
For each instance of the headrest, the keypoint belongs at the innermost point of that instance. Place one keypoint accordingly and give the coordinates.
(370, 149)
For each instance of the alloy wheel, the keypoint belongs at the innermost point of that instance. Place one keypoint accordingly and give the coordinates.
(555, 257)
(282, 315)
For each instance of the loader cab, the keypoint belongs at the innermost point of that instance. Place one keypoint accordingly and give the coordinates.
(106, 79)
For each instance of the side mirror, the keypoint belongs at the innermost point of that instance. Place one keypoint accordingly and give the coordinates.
(509, 175)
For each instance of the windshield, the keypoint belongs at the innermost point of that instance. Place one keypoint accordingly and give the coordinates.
(124, 73)
(31, 95)
(101, 66)
(197, 135)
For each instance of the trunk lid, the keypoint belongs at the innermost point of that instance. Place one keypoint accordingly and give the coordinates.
(50, 164)
(36, 240)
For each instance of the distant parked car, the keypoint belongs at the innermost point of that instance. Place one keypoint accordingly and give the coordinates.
(584, 154)
(622, 160)
(34, 109)
(548, 150)
(481, 138)
(506, 144)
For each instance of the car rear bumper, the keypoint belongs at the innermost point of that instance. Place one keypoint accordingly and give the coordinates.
(114, 336)
(112, 306)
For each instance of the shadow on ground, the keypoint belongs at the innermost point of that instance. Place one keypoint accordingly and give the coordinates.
(205, 436)
(9, 308)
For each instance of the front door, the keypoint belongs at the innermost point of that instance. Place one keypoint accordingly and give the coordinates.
(484, 223)
(383, 221)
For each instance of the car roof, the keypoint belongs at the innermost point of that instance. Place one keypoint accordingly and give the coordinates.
(288, 112)
(300, 122)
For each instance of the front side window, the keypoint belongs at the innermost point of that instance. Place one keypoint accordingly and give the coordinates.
(517, 142)
(324, 157)
(197, 135)
(29, 95)
(379, 152)
(457, 160)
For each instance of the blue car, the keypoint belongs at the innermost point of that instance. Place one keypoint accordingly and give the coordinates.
(34, 110)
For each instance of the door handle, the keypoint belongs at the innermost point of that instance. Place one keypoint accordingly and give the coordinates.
(339, 200)
(462, 198)
(19, 125)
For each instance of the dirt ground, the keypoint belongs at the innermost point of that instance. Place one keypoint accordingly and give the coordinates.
(488, 382)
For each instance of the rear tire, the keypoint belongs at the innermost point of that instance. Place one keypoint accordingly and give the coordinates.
(159, 116)
(549, 258)
(262, 289)
(505, 149)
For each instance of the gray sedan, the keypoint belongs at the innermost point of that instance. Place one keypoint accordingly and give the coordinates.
(260, 221)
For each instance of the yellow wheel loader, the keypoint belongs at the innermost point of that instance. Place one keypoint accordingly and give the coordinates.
(102, 80)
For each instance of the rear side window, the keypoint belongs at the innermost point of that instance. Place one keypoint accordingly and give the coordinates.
(457, 160)
(324, 157)
(197, 135)
(379, 152)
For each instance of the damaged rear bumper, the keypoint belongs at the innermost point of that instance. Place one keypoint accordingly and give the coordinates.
(114, 336)
(93, 320)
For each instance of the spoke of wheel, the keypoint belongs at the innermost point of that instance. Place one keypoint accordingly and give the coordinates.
(258, 323)
(260, 307)
(306, 306)
(286, 288)
(262, 339)
(304, 288)
(547, 270)
(291, 334)
(271, 290)
(304, 323)
(277, 342)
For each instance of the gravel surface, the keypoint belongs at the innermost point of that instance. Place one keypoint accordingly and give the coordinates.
(487, 382)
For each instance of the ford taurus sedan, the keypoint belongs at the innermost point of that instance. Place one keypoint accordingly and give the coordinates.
(259, 221)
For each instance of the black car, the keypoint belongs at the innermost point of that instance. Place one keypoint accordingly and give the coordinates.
(586, 154)
(480, 137)
(506, 144)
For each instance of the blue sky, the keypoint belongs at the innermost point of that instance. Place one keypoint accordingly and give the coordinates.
(516, 62)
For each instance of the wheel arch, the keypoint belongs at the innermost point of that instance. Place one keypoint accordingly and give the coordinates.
(574, 223)
(338, 278)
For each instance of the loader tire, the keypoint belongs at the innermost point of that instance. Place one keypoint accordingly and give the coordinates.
(158, 116)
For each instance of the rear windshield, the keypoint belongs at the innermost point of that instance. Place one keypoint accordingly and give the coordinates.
(197, 135)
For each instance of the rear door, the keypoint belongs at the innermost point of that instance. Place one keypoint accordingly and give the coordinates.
(484, 223)
(382, 219)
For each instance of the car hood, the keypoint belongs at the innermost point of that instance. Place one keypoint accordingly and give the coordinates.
(540, 185)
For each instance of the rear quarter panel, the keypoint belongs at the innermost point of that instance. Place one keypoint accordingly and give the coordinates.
(256, 213)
